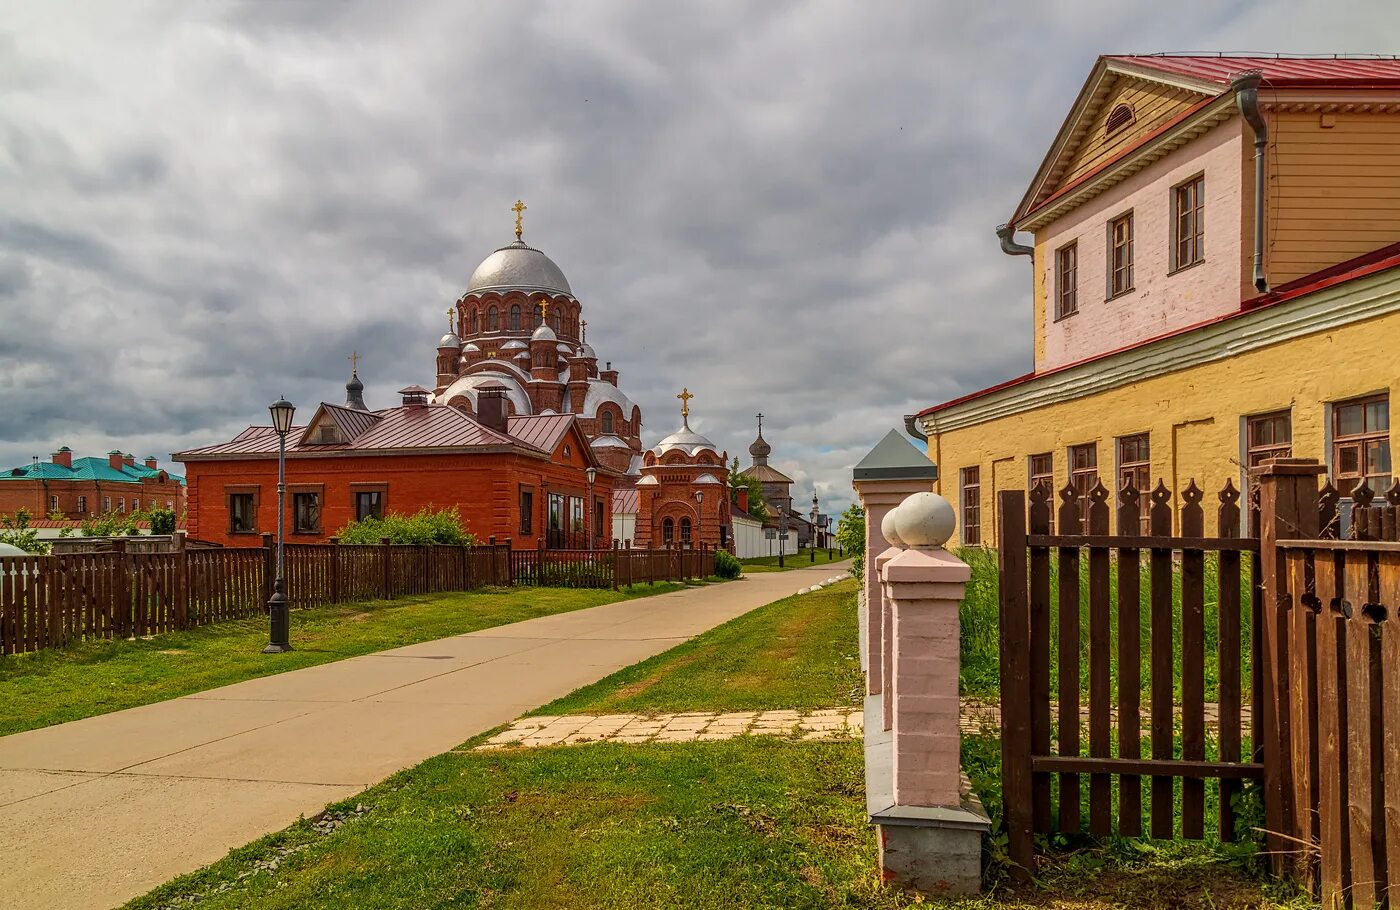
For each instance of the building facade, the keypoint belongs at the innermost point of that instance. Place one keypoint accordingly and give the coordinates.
(1187, 324)
(523, 478)
(683, 492)
(83, 488)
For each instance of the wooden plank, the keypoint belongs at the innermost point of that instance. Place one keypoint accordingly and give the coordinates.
(1100, 667)
(1142, 541)
(1388, 576)
(1041, 784)
(1162, 658)
(1171, 767)
(1360, 546)
(1193, 673)
(1364, 763)
(1068, 642)
(1331, 711)
(1301, 626)
(1129, 666)
(1228, 646)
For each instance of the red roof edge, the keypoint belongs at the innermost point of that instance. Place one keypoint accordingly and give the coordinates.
(1381, 260)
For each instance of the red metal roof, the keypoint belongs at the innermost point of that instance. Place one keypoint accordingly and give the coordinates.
(1380, 260)
(543, 431)
(1279, 72)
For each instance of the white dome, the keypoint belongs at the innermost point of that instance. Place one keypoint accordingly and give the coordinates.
(687, 440)
(467, 385)
(471, 348)
(564, 349)
(587, 351)
(515, 344)
(517, 267)
(609, 442)
(450, 340)
(543, 333)
(706, 478)
(600, 391)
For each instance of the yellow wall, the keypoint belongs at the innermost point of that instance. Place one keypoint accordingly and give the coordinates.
(1334, 192)
(1152, 104)
(1193, 416)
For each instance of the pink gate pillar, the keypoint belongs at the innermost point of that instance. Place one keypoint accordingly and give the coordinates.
(930, 824)
(884, 673)
(883, 478)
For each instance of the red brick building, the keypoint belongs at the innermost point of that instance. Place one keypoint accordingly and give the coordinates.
(86, 487)
(519, 477)
(683, 493)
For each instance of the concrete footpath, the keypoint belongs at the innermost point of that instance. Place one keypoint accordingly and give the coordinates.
(98, 811)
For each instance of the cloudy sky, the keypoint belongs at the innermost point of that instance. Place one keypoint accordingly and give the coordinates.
(787, 207)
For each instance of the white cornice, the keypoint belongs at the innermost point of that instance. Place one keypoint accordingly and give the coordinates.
(1354, 301)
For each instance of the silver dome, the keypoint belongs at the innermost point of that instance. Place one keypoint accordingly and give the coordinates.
(687, 440)
(543, 333)
(518, 267)
(450, 340)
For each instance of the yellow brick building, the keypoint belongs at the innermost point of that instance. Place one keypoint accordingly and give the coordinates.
(1173, 341)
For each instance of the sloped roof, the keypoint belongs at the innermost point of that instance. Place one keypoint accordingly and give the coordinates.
(86, 469)
(895, 458)
(766, 474)
(542, 431)
(1278, 72)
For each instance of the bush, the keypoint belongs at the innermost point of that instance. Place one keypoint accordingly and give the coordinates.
(850, 533)
(162, 521)
(16, 532)
(422, 527)
(726, 565)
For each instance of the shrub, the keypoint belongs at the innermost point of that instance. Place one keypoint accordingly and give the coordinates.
(162, 521)
(422, 527)
(850, 533)
(726, 565)
(16, 532)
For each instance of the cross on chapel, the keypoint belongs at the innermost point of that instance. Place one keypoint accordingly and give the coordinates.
(519, 209)
(354, 359)
(685, 397)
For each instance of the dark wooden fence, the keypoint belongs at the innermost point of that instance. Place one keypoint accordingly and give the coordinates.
(1292, 625)
(609, 568)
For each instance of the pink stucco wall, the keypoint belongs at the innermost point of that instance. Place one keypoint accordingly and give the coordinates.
(1160, 302)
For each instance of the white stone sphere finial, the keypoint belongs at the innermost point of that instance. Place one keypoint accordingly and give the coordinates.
(924, 520)
(887, 530)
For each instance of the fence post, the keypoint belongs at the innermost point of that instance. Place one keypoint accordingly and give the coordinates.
(269, 565)
(1015, 681)
(1288, 510)
(925, 584)
(335, 569)
(124, 588)
(387, 581)
(182, 581)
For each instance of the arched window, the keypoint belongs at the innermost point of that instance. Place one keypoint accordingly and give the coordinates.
(515, 317)
(668, 531)
(685, 532)
(492, 319)
(539, 317)
(557, 323)
(475, 323)
(608, 422)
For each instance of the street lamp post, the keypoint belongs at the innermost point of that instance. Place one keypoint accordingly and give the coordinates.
(814, 525)
(699, 514)
(782, 533)
(591, 474)
(279, 638)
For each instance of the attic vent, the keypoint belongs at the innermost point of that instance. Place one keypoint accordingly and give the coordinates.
(1119, 117)
(329, 433)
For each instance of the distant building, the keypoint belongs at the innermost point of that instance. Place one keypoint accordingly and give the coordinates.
(520, 477)
(1215, 283)
(87, 487)
(777, 493)
(683, 493)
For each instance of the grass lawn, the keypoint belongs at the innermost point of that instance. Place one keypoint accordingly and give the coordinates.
(791, 561)
(752, 822)
(799, 652)
(53, 686)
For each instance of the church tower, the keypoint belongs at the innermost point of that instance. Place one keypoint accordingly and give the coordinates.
(519, 324)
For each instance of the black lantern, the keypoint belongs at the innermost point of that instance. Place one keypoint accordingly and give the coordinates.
(279, 620)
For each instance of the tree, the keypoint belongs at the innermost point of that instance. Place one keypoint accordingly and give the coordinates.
(850, 533)
(15, 531)
(758, 506)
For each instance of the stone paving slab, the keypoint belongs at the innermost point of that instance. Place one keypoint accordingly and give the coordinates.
(689, 726)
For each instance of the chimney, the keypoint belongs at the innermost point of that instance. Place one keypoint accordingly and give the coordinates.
(743, 494)
(151, 462)
(129, 460)
(114, 460)
(492, 409)
(608, 374)
(414, 396)
(64, 456)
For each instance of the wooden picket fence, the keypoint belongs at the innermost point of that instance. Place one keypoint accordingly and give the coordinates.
(51, 601)
(1301, 634)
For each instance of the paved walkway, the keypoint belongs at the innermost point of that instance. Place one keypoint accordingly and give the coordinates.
(688, 726)
(97, 811)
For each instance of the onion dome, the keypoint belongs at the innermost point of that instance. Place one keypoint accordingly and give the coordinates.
(517, 267)
(450, 340)
(544, 333)
(355, 392)
(586, 350)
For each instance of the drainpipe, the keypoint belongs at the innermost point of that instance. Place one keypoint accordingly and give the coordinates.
(1010, 247)
(1246, 88)
(911, 426)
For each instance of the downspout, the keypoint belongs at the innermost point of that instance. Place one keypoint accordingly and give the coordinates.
(1246, 88)
(911, 426)
(1009, 246)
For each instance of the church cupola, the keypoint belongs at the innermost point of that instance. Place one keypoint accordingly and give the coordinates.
(354, 389)
(449, 353)
(760, 449)
(544, 349)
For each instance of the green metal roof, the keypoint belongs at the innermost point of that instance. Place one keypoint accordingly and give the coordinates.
(86, 469)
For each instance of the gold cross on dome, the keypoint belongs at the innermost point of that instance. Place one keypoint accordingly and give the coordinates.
(584, 324)
(685, 397)
(519, 209)
(544, 310)
(354, 359)
(449, 319)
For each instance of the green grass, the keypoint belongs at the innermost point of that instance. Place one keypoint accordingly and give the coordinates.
(54, 686)
(791, 561)
(799, 652)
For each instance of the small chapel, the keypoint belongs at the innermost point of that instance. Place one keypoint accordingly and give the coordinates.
(682, 497)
